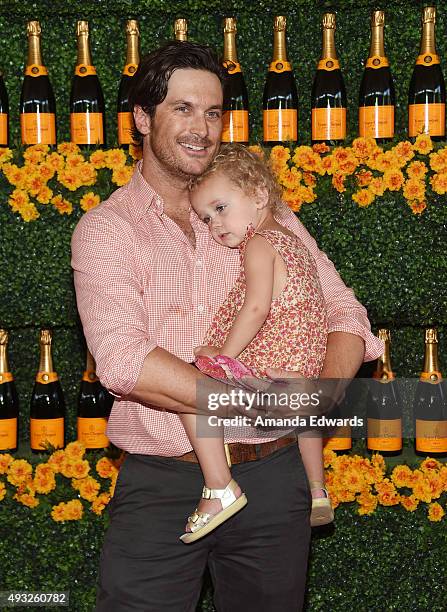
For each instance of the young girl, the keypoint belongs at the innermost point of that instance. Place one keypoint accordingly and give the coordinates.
(274, 316)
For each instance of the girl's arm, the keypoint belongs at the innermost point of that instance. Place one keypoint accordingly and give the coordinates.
(258, 266)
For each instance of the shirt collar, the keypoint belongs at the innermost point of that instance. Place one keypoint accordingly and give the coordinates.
(142, 194)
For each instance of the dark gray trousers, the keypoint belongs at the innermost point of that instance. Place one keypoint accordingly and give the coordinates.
(257, 559)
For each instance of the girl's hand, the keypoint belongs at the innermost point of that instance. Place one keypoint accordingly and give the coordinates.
(206, 351)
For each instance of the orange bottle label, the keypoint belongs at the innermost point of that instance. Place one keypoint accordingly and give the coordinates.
(3, 130)
(385, 434)
(38, 128)
(87, 128)
(235, 126)
(6, 377)
(8, 434)
(47, 431)
(35, 70)
(46, 377)
(328, 123)
(376, 121)
(92, 432)
(340, 441)
(280, 66)
(280, 124)
(377, 61)
(83, 70)
(125, 127)
(232, 67)
(431, 436)
(129, 69)
(427, 59)
(328, 63)
(426, 119)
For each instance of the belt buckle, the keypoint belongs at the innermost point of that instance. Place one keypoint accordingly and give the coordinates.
(227, 454)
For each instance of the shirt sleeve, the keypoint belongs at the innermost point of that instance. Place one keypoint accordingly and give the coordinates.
(345, 313)
(110, 300)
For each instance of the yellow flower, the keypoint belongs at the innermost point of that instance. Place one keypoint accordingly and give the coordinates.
(68, 148)
(443, 477)
(35, 153)
(64, 207)
(423, 144)
(122, 175)
(87, 174)
(46, 171)
(98, 159)
(320, 148)
(5, 155)
(105, 468)
(27, 500)
(2, 490)
(290, 177)
(438, 161)
(73, 161)
(14, 174)
(439, 183)
(80, 468)
(388, 498)
(279, 154)
(418, 207)
(435, 512)
(377, 186)
(75, 450)
(309, 179)
(414, 189)
(367, 502)
(338, 181)
(56, 459)
(58, 512)
(89, 200)
(378, 461)
(257, 150)
(115, 158)
(113, 485)
(5, 462)
(136, 151)
(364, 177)
(19, 472)
(363, 197)
(404, 150)
(44, 483)
(393, 180)
(293, 199)
(328, 457)
(100, 502)
(44, 195)
(55, 161)
(69, 179)
(353, 480)
(401, 476)
(422, 491)
(306, 159)
(88, 488)
(409, 503)
(345, 160)
(329, 165)
(364, 147)
(386, 161)
(417, 170)
(74, 510)
(34, 183)
(429, 465)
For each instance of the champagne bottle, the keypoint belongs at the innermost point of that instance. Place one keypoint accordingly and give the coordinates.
(4, 114)
(340, 438)
(384, 413)
(430, 405)
(9, 402)
(235, 97)
(377, 97)
(328, 91)
(37, 104)
(47, 402)
(426, 98)
(181, 29)
(125, 116)
(86, 100)
(280, 100)
(94, 405)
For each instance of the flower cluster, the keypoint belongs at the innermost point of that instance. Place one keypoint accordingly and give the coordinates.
(366, 482)
(63, 467)
(51, 177)
(364, 170)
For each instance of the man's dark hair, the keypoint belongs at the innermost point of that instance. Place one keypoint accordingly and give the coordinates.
(149, 84)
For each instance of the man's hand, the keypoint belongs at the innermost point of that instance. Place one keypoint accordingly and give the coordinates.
(206, 351)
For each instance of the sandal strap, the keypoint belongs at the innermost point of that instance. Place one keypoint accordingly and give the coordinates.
(318, 485)
(198, 519)
(226, 496)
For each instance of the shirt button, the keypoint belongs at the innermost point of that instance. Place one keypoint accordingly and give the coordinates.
(200, 307)
(199, 263)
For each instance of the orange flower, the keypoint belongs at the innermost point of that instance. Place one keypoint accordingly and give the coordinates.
(98, 159)
(35, 153)
(353, 481)
(438, 161)
(5, 462)
(68, 148)
(55, 161)
(377, 186)
(19, 472)
(401, 475)
(388, 498)
(364, 177)
(136, 151)
(56, 460)
(393, 180)
(279, 154)
(338, 181)
(386, 161)
(100, 503)
(363, 197)
(328, 457)
(73, 161)
(89, 200)
(122, 175)
(64, 207)
(27, 500)
(69, 179)
(335, 502)
(439, 183)
(404, 150)
(367, 503)
(44, 483)
(87, 174)
(113, 484)
(14, 174)
(418, 207)
(423, 144)
(75, 450)
(435, 512)
(115, 158)
(256, 150)
(105, 468)
(44, 195)
(88, 488)
(74, 510)
(290, 177)
(2, 491)
(293, 200)
(429, 465)
(5, 155)
(80, 468)
(320, 148)
(409, 503)
(58, 512)
(309, 179)
(417, 170)
(328, 165)
(306, 159)
(414, 189)
(422, 491)
(364, 147)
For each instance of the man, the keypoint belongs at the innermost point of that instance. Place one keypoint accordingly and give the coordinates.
(149, 279)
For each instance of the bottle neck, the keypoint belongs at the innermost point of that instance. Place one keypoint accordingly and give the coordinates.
(84, 55)
(230, 50)
(34, 52)
(90, 362)
(4, 366)
(384, 370)
(431, 363)
(181, 30)
(328, 50)
(46, 361)
(377, 41)
(133, 49)
(279, 46)
(428, 41)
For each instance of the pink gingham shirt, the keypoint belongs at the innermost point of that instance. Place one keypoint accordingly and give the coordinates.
(140, 284)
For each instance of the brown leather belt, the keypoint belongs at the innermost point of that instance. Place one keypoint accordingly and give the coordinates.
(237, 452)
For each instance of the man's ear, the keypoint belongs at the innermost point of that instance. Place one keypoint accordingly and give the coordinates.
(142, 120)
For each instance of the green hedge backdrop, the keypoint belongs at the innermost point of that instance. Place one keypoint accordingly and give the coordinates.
(395, 261)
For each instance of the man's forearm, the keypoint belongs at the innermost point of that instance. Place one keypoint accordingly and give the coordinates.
(344, 355)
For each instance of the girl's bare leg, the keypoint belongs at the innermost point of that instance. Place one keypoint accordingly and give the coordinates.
(311, 448)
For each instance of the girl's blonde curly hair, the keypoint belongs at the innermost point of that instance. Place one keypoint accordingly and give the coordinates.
(244, 168)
